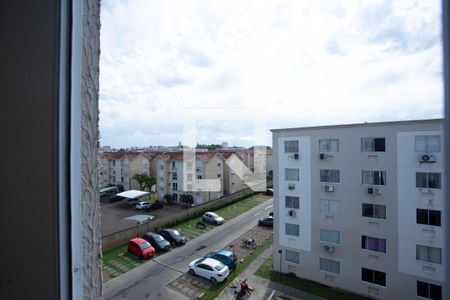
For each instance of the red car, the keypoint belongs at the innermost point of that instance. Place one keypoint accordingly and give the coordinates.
(141, 248)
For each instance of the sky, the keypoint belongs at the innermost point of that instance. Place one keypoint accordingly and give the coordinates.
(263, 65)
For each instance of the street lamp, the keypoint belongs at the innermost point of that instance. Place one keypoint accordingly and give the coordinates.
(281, 257)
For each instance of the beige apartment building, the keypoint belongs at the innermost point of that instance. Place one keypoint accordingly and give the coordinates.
(361, 207)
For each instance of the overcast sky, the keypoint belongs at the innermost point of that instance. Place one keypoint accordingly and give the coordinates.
(286, 63)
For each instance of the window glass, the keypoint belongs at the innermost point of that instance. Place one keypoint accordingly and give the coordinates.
(329, 265)
(373, 145)
(330, 236)
(292, 256)
(373, 244)
(292, 229)
(329, 176)
(290, 146)
(429, 291)
(292, 202)
(374, 177)
(330, 206)
(291, 174)
(428, 254)
(428, 143)
(428, 180)
(329, 145)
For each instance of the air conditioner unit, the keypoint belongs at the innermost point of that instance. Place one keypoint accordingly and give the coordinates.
(291, 186)
(296, 155)
(291, 213)
(328, 247)
(427, 158)
(373, 191)
(322, 156)
(328, 188)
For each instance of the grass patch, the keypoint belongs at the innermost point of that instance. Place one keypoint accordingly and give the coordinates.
(265, 271)
(215, 290)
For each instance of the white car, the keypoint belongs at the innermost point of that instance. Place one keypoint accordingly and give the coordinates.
(143, 205)
(212, 217)
(209, 268)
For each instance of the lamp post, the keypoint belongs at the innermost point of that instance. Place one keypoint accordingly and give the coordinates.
(281, 257)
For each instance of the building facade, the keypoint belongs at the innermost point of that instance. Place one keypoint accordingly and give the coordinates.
(361, 207)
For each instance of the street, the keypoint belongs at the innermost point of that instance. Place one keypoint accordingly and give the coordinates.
(149, 280)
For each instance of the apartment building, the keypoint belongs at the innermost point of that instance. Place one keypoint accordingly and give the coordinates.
(361, 207)
(202, 166)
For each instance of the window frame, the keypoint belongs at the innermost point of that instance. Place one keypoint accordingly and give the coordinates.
(373, 275)
(367, 240)
(329, 231)
(428, 216)
(373, 146)
(427, 149)
(292, 199)
(330, 176)
(427, 180)
(288, 253)
(290, 148)
(373, 211)
(330, 201)
(296, 175)
(428, 254)
(375, 177)
(291, 226)
(328, 143)
(330, 262)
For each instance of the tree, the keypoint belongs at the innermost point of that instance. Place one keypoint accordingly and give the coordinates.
(187, 199)
(145, 181)
(168, 198)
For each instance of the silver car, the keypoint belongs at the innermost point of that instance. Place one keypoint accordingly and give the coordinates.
(212, 217)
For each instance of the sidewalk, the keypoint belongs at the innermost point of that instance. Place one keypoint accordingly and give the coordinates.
(263, 288)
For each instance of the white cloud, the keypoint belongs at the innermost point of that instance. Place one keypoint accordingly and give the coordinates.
(305, 62)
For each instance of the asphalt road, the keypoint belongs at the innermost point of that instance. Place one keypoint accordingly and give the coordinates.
(149, 280)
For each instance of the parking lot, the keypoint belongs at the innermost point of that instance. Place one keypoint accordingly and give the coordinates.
(193, 286)
(113, 215)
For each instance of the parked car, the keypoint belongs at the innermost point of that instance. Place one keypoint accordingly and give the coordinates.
(143, 205)
(157, 241)
(141, 248)
(133, 202)
(212, 217)
(173, 236)
(209, 268)
(155, 205)
(267, 221)
(269, 192)
(226, 257)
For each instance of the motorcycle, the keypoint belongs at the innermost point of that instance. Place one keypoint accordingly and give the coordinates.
(241, 291)
(249, 243)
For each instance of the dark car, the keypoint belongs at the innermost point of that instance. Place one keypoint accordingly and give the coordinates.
(116, 198)
(157, 241)
(226, 257)
(267, 221)
(155, 205)
(173, 236)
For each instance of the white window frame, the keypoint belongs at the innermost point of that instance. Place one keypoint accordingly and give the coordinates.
(325, 145)
(292, 200)
(329, 206)
(328, 263)
(329, 241)
(291, 229)
(291, 174)
(369, 177)
(290, 147)
(292, 256)
(428, 147)
(331, 173)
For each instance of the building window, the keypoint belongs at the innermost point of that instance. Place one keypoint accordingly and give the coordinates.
(428, 217)
(428, 254)
(199, 176)
(429, 291)
(428, 180)
(329, 176)
(292, 202)
(373, 244)
(175, 186)
(219, 175)
(189, 165)
(329, 265)
(373, 145)
(292, 229)
(175, 196)
(292, 256)
(329, 145)
(291, 174)
(219, 164)
(113, 162)
(189, 187)
(290, 146)
(373, 276)
(374, 177)
(189, 176)
(330, 236)
(374, 211)
(174, 175)
(173, 165)
(330, 206)
(428, 143)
